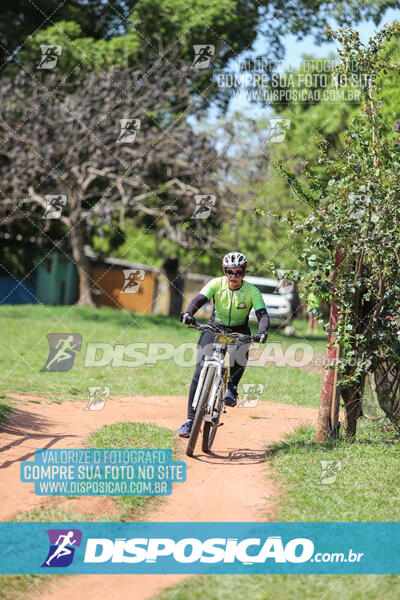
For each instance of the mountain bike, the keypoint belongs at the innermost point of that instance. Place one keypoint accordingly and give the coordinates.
(209, 399)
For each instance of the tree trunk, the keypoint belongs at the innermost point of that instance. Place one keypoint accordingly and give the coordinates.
(82, 263)
(175, 281)
(328, 389)
(352, 402)
(353, 395)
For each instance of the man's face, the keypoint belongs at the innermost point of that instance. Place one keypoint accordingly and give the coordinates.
(234, 276)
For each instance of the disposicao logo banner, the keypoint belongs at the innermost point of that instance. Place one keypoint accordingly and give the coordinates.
(192, 548)
(61, 551)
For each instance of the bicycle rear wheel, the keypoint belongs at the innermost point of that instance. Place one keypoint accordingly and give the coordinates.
(205, 391)
(210, 429)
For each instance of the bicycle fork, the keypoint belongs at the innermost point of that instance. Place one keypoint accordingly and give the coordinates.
(209, 361)
(215, 403)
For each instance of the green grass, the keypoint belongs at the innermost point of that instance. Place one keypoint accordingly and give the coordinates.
(24, 332)
(366, 489)
(285, 384)
(16, 587)
(26, 350)
(51, 512)
(6, 408)
(134, 435)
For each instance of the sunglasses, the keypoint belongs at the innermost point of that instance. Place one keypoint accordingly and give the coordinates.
(235, 273)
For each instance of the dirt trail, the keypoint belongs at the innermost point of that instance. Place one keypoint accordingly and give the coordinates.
(229, 485)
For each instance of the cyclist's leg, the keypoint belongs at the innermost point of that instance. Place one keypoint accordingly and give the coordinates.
(238, 362)
(238, 358)
(204, 345)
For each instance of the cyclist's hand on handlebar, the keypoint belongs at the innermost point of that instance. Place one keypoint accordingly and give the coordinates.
(260, 337)
(187, 318)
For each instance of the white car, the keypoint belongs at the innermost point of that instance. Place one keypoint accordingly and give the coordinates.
(276, 300)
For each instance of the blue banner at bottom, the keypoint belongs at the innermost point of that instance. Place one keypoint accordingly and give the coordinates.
(85, 548)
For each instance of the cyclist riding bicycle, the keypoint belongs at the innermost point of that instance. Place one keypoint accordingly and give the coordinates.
(233, 299)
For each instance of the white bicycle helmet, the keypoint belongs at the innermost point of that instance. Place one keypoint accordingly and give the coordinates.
(234, 259)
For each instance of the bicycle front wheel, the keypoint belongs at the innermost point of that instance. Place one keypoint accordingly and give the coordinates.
(205, 392)
(210, 429)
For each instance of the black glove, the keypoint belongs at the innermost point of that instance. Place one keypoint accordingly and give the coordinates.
(187, 318)
(260, 337)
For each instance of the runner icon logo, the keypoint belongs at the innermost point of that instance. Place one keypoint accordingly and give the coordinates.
(50, 54)
(251, 395)
(358, 204)
(61, 551)
(129, 129)
(62, 351)
(203, 55)
(54, 206)
(204, 205)
(133, 277)
(97, 397)
(329, 471)
(277, 129)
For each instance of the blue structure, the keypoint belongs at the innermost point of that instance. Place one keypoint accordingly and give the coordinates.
(57, 280)
(13, 291)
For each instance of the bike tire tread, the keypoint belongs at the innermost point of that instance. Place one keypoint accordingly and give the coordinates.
(206, 445)
(194, 434)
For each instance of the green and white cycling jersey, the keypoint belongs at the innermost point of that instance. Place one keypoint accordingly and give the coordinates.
(232, 307)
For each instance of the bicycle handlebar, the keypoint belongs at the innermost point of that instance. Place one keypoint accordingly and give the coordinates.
(243, 337)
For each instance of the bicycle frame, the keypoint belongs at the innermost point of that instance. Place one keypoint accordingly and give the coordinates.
(211, 397)
(217, 359)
